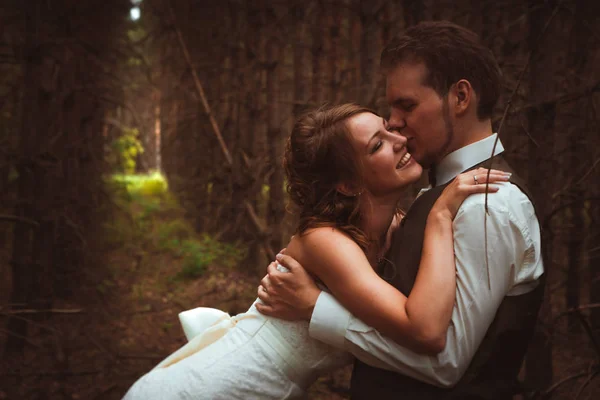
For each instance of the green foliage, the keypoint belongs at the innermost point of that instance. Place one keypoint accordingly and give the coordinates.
(153, 187)
(195, 258)
(199, 253)
(124, 151)
(105, 286)
(166, 326)
(136, 34)
(138, 200)
(149, 218)
(153, 184)
(13, 174)
(170, 234)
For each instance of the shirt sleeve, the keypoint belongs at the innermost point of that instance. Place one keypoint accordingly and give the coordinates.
(329, 321)
(495, 256)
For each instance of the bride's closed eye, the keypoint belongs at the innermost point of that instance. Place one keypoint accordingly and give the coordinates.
(377, 146)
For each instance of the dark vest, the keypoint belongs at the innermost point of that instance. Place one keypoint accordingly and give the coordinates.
(493, 371)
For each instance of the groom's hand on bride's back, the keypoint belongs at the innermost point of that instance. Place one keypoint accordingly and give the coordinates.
(287, 295)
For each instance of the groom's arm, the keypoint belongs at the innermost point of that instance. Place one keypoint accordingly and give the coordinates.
(295, 296)
(513, 262)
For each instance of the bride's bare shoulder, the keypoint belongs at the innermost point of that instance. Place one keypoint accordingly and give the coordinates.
(318, 237)
(321, 245)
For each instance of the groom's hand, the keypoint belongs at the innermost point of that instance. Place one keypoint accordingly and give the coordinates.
(287, 295)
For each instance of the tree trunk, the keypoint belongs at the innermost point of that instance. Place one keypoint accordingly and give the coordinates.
(302, 72)
(258, 120)
(336, 63)
(541, 123)
(275, 146)
(588, 216)
(354, 52)
(414, 12)
(24, 235)
(32, 248)
(370, 50)
(156, 95)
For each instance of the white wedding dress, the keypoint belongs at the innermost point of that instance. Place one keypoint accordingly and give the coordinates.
(249, 356)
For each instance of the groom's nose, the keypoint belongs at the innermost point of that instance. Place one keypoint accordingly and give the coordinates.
(396, 122)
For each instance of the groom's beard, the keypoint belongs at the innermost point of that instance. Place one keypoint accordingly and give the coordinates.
(449, 129)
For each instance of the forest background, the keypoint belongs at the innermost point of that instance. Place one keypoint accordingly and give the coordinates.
(140, 168)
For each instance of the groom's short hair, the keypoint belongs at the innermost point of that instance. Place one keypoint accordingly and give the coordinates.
(450, 53)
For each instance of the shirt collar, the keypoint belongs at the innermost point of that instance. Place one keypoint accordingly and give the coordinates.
(466, 157)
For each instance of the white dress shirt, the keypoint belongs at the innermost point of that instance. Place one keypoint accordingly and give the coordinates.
(514, 263)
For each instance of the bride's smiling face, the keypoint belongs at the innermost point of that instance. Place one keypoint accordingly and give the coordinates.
(385, 162)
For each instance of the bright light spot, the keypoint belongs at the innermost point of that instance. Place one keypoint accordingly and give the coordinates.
(134, 13)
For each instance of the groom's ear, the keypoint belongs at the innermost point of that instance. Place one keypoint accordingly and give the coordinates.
(464, 96)
(347, 189)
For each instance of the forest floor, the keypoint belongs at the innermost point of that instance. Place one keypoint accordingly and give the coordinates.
(125, 315)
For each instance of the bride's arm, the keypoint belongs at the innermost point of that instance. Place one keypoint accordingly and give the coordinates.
(419, 322)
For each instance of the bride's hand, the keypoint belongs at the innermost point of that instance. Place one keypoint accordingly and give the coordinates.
(465, 184)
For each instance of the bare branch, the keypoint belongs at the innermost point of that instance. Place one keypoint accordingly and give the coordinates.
(554, 212)
(585, 383)
(49, 311)
(506, 110)
(521, 76)
(561, 99)
(556, 385)
(14, 218)
(199, 87)
(570, 183)
(53, 373)
(577, 309)
(25, 338)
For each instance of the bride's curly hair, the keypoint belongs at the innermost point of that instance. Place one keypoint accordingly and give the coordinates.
(319, 156)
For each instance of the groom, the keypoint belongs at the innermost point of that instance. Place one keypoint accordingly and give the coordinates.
(441, 86)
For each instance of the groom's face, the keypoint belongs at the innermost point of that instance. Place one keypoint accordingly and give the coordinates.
(419, 113)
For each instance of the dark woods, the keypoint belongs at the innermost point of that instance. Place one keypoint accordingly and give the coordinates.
(209, 91)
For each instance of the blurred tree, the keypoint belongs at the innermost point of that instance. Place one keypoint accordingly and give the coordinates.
(67, 85)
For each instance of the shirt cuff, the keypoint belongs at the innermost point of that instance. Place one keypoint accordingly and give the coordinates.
(329, 321)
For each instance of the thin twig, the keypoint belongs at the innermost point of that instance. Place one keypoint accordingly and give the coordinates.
(561, 99)
(585, 383)
(506, 109)
(583, 22)
(34, 323)
(528, 134)
(577, 309)
(141, 356)
(512, 96)
(14, 218)
(198, 85)
(563, 381)
(557, 210)
(570, 183)
(586, 325)
(213, 122)
(54, 373)
(102, 394)
(49, 311)
(99, 346)
(25, 338)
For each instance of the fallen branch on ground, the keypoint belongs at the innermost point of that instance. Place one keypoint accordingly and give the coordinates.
(49, 311)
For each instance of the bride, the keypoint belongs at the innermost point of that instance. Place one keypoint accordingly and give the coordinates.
(346, 173)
